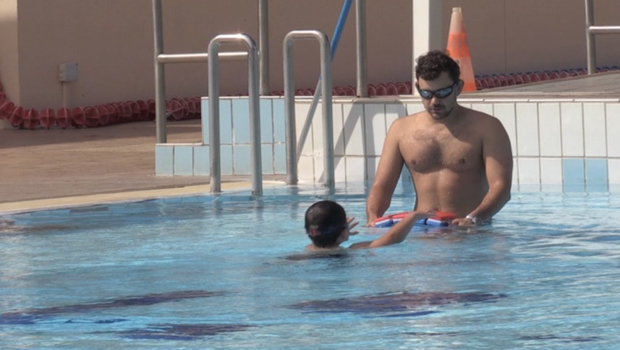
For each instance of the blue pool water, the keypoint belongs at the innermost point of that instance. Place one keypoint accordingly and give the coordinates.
(226, 273)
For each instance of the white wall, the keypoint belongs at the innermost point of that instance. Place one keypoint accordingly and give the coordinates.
(558, 144)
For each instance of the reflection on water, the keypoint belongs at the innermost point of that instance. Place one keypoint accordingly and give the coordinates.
(393, 302)
(32, 315)
(180, 331)
(9, 227)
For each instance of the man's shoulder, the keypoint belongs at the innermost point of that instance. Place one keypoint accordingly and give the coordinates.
(406, 123)
(483, 124)
(480, 117)
(474, 113)
(410, 118)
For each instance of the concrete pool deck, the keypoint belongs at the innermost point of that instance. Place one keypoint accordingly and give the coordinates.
(604, 85)
(59, 168)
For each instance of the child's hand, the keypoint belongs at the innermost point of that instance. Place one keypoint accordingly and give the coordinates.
(352, 224)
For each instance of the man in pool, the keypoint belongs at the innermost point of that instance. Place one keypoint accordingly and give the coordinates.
(460, 159)
(327, 226)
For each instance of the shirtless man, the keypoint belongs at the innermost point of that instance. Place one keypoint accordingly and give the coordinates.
(460, 159)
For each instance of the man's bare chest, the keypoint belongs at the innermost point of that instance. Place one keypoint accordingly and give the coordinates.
(425, 151)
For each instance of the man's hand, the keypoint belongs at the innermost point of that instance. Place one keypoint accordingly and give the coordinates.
(463, 222)
(371, 222)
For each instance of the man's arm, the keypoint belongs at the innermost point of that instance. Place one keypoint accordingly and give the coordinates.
(397, 233)
(497, 157)
(388, 172)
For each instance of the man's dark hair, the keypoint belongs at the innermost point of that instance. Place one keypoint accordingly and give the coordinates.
(324, 222)
(432, 64)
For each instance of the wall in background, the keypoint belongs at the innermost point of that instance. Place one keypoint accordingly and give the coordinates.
(112, 43)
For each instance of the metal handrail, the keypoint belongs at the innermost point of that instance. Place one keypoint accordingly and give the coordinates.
(214, 111)
(199, 57)
(289, 96)
(591, 30)
(161, 59)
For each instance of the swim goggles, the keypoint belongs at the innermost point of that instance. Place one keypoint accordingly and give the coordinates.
(441, 93)
(313, 230)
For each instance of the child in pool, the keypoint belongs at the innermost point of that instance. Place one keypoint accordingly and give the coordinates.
(327, 226)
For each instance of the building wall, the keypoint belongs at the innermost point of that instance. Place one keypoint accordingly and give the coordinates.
(112, 43)
(513, 36)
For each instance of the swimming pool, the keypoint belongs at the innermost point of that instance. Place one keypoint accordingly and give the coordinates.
(226, 273)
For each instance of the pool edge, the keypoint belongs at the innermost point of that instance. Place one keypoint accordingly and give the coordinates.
(120, 197)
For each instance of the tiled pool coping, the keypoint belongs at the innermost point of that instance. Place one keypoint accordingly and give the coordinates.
(118, 197)
(570, 142)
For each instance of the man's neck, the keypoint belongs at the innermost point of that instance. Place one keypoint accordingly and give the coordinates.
(452, 118)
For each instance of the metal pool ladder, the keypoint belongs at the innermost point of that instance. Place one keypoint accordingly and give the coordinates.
(214, 112)
(591, 30)
(289, 97)
(214, 130)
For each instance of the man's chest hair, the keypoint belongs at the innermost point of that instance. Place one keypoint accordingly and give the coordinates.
(425, 150)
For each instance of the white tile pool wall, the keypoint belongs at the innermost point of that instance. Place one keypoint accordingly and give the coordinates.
(557, 143)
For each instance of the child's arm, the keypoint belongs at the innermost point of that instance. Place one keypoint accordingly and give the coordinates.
(397, 233)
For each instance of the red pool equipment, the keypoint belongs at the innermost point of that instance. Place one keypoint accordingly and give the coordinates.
(6, 109)
(144, 110)
(64, 117)
(17, 117)
(151, 110)
(439, 219)
(124, 113)
(31, 119)
(91, 117)
(177, 109)
(48, 118)
(78, 119)
(105, 114)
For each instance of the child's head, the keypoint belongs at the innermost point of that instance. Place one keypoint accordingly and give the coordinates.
(325, 223)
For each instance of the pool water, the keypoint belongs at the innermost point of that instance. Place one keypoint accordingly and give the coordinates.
(230, 272)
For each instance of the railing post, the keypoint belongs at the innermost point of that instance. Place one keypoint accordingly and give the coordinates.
(214, 118)
(289, 112)
(360, 26)
(263, 42)
(289, 96)
(214, 111)
(328, 121)
(160, 82)
(590, 40)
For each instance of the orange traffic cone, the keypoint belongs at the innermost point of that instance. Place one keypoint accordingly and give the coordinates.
(459, 50)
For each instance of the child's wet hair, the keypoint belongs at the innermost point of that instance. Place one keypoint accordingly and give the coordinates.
(324, 222)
